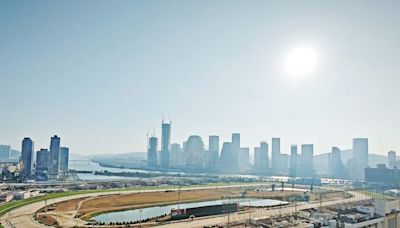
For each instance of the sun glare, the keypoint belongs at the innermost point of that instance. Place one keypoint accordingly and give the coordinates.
(301, 61)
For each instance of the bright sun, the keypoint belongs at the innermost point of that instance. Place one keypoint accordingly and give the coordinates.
(301, 61)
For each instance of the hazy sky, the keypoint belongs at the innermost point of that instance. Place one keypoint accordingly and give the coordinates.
(101, 73)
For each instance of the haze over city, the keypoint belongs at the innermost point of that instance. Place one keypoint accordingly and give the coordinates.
(211, 113)
(103, 80)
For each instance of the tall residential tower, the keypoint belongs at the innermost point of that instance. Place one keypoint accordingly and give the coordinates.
(27, 157)
(152, 152)
(360, 158)
(165, 143)
(54, 156)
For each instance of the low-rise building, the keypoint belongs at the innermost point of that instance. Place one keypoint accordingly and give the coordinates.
(21, 195)
(6, 197)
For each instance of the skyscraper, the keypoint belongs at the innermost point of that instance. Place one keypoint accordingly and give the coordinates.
(307, 163)
(54, 156)
(293, 161)
(264, 161)
(360, 158)
(165, 143)
(176, 155)
(42, 161)
(337, 168)
(64, 159)
(276, 152)
(235, 151)
(213, 151)
(27, 157)
(392, 159)
(244, 159)
(152, 152)
(194, 153)
(225, 160)
(5, 153)
(257, 158)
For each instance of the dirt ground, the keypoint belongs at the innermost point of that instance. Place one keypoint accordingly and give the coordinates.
(90, 206)
(47, 219)
(85, 208)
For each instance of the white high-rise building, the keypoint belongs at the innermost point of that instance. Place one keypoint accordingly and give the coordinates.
(276, 152)
(244, 159)
(360, 158)
(307, 161)
(213, 152)
(235, 151)
(264, 160)
(176, 156)
(257, 158)
(165, 143)
(392, 159)
(152, 152)
(194, 152)
(293, 161)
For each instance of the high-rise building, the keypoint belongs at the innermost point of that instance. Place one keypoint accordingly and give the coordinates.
(392, 159)
(225, 160)
(152, 152)
(194, 152)
(165, 143)
(307, 163)
(276, 152)
(264, 161)
(27, 157)
(5, 153)
(284, 162)
(338, 170)
(293, 161)
(213, 152)
(177, 156)
(64, 159)
(244, 159)
(54, 156)
(257, 158)
(360, 158)
(42, 161)
(235, 151)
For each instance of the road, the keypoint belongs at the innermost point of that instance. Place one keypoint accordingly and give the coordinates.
(22, 217)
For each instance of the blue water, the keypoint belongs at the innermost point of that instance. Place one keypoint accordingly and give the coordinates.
(88, 165)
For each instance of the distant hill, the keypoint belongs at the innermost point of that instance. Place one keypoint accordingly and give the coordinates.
(74, 156)
(321, 160)
(131, 159)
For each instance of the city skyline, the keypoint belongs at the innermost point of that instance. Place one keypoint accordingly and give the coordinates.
(102, 80)
(228, 113)
(153, 134)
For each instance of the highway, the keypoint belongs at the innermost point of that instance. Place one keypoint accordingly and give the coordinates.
(22, 217)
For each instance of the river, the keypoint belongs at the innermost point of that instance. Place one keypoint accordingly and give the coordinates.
(87, 165)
